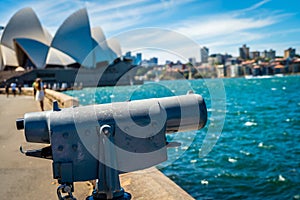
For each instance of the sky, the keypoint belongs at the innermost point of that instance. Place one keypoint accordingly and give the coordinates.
(177, 29)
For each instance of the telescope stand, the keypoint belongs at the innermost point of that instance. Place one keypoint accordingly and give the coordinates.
(108, 185)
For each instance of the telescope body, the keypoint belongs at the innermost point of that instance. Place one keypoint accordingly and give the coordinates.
(134, 131)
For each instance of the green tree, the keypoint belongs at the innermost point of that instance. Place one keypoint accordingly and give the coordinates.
(141, 71)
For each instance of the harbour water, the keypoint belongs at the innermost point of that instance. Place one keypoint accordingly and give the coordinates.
(255, 155)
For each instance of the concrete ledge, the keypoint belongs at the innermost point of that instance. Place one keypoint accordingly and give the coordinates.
(64, 101)
(151, 184)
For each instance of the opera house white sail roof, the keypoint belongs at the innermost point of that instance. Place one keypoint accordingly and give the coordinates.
(26, 43)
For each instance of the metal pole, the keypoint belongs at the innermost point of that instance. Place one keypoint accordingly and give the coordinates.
(108, 185)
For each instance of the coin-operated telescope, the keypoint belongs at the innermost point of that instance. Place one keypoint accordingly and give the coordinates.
(101, 141)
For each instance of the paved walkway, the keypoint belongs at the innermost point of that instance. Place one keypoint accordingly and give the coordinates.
(27, 178)
(24, 178)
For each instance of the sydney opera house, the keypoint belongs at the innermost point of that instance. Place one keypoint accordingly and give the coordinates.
(75, 48)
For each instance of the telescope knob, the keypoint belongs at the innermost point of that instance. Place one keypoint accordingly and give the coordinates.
(20, 123)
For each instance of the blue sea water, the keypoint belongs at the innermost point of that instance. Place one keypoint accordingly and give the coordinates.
(250, 147)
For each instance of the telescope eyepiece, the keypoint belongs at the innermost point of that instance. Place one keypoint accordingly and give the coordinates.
(20, 123)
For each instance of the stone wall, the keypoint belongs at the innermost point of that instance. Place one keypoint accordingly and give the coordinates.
(64, 101)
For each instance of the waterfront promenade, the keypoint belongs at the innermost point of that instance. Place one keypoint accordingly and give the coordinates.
(30, 178)
(24, 177)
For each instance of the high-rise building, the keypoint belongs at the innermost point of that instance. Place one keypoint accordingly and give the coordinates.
(254, 54)
(192, 61)
(216, 59)
(154, 61)
(128, 54)
(204, 53)
(244, 52)
(150, 63)
(271, 54)
(138, 58)
(289, 53)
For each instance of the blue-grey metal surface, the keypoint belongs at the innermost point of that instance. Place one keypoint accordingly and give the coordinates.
(138, 129)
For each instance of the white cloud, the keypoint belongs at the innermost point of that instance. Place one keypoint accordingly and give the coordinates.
(157, 39)
(255, 6)
(220, 25)
(114, 16)
(234, 39)
(98, 8)
(137, 14)
(225, 32)
(221, 32)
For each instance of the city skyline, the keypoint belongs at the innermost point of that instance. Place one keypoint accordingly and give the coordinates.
(222, 26)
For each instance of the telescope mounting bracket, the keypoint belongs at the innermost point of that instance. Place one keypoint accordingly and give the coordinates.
(108, 185)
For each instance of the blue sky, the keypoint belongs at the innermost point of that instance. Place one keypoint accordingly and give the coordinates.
(221, 25)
